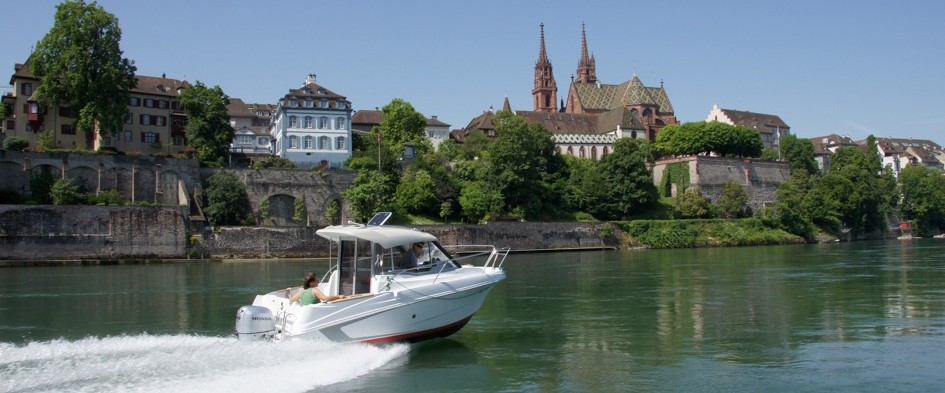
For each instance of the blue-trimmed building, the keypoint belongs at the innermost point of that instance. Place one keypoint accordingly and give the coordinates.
(312, 126)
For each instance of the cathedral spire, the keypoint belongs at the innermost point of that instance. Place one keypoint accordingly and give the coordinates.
(587, 68)
(545, 89)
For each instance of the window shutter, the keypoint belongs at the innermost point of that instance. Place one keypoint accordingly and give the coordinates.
(142, 137)
(157, 138)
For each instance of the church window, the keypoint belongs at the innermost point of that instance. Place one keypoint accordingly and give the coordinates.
(594, 153)
(582, 153)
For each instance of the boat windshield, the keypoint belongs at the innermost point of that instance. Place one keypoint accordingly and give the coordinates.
(419, 255)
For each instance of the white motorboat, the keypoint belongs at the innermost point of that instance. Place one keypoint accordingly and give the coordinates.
(384, 301)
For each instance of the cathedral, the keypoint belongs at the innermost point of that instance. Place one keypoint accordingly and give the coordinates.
(594, 115)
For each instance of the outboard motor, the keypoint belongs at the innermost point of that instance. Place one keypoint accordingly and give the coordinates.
(255, 323)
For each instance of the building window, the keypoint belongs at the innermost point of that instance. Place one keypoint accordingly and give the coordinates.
(150, 137)
(262, 141)
(129, 119)
(323, 143)
(11, 124)
(308, 142)
(340, 143)
(293, 103)
(148, 103)
(340, 123)
(323, 123)
(145, 120)
(308, 122)
(294, 142)
(160, 121)
(67, 129)
(178, 140)
(341, 105)
(323, 103)
(162, 104)
(127, 135)
(309, 103)
(134, 101)
(26, 89)
(175, 105)
(293, 121)
(65, 111)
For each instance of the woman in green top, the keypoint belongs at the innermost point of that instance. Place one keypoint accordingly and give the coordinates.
(310, 294)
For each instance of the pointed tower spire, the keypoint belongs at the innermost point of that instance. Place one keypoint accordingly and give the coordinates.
(506, 106)
(545, 89)
(587, 69)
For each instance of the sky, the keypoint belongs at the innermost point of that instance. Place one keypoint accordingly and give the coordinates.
(825, 67)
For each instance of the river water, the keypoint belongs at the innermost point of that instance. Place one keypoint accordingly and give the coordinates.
(861, 316)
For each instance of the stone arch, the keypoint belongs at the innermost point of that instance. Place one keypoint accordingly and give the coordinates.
(167, 188)
(119, 179)
(143, 184)
(14, 177)
(84, 176)
(281, 208)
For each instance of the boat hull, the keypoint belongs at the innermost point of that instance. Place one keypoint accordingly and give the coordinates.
(411, 310)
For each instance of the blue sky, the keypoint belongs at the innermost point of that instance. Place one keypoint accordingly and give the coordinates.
(855, 68)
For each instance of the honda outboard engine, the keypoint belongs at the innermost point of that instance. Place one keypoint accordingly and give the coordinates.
(255, 323)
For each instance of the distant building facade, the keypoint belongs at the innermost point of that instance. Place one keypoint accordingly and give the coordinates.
(155, 123)
(899, 152)
(252, 140)
(311, 125)
(770, 127)
(365, 120)
(825, 146)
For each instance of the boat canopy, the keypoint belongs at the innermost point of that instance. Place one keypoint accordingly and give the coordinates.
(386, 236)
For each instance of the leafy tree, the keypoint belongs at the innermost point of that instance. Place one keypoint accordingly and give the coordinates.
(709, 137)
(799, 153)
(874, 160)
(401, 124)
(227, 200)
(480, 201)
(15, 143)
(45, 141)
(733, 201)
(332, 211)
(208, 125)
(79, 63)
(923, 191)
(416, 193)
(625, 185)
(66, 192)
(368, 194)
(523, 165)
(786, 212)
(856, 188)
(475, 143)
(692, 204)
(300, 212)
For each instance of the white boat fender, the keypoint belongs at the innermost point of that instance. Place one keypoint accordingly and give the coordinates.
(255, 323)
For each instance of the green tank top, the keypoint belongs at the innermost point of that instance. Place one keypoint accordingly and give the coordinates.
(307, 297)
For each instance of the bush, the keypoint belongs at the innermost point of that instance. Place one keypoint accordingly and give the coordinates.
(110, 197)
(15, 143)
(66, 192)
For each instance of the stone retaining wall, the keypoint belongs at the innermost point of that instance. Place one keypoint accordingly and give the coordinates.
(86, 232)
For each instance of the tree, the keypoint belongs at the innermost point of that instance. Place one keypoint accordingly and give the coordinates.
(733, 201)
(799, 153)
(416, 193)
(79, 63)
(368, 194)
(208, 125)
(66, 192)
(523, 164)
(480, 201)
(401, 124)
(45, 141)
(692, 204)
(709, 137)
(227, 202)
(923, 191)
(624, 181)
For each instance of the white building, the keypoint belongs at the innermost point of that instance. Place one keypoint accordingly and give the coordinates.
(312, 126)
(770, 127)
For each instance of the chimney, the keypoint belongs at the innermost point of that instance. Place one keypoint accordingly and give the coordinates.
(433, 117)
(310, 79)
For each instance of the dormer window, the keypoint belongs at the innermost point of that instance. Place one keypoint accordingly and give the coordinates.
(323, 103)
(341, 105)
(309, 102)
(321, 91)
(293, 103)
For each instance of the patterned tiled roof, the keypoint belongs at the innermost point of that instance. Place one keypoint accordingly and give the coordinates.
(599, 96)
(585, 138)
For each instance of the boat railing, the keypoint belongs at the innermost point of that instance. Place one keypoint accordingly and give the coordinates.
(495, 257)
